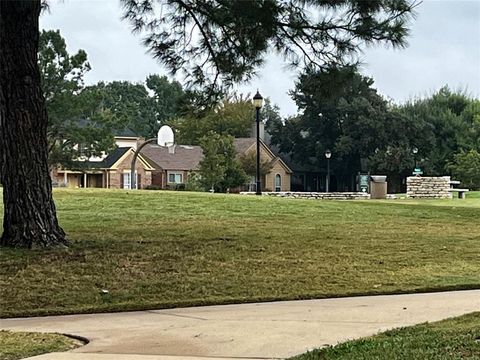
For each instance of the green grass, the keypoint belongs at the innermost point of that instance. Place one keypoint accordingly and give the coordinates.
(166, 249)
(452, 339)
(19, 345)
(473, 195)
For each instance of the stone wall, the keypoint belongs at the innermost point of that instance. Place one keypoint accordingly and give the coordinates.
(428, 187)
(316, 195)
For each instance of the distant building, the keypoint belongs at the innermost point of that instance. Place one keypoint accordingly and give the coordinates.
(161, 167)
(172, 164)
(279, 176)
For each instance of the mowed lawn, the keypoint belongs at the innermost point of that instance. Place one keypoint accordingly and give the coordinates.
(19, 345)
(452, 339)
(153, 249)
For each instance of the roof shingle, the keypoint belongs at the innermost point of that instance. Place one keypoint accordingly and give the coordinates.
(182, 157)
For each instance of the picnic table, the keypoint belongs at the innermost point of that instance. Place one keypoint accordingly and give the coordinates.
(461, 192)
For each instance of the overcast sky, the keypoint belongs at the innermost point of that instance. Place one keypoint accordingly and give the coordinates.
(444, 48)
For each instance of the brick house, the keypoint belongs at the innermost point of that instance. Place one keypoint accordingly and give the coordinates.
(279, 176)
(113, 172)
(110, 171)
(162, 167)
(172, 164)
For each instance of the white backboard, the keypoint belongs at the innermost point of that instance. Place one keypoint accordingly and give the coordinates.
(165, 136)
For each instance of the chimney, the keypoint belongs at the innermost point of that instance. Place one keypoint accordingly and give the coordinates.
(171, 149)
(261, 130)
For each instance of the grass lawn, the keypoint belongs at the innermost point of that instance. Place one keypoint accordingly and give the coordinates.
(153, 249)
(19, 345)
(473, 195)
(452, 339)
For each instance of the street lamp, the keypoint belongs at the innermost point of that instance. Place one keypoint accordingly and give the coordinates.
(328, 155)
(258, 102)
(415, 152)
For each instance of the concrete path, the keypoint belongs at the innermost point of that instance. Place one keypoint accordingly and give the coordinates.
(248, 331)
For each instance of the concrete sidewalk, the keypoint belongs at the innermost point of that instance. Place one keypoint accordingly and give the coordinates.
(247, 331)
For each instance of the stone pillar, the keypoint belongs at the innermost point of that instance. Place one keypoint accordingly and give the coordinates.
(428, 187)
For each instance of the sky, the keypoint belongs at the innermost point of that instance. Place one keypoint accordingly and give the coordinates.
(444, 49)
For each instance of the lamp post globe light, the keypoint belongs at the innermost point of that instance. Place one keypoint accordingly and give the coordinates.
(258, 102)
(328, 155)
(415, 152)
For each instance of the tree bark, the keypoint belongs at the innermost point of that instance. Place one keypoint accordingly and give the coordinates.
(30, 218)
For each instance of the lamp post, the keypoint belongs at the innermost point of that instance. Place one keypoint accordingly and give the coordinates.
(328, 155)
(415, 152)
(258, 102)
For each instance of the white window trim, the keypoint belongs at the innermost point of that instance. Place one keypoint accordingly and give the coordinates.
(129, 180)
(175, 173)
(275, 183)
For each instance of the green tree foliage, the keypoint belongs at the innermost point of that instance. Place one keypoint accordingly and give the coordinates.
(224, 42)
(219, 169)
(471, 116)
(167, 98)
(249, 164)
(450, 124)
(77, 126)
(340, 111)
(270, 115)
(233, 116)
(129, 103)
(143, 108)
(466, 168)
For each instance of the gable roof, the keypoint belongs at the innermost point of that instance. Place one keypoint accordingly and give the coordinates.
(114, 156)
(108, 162)
(125, 132)
(243, 144)
(111, 160)
(182, 157)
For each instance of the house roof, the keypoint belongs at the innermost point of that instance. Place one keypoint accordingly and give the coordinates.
(243, 144)
(108, 162)
(125, 132)
(186, 157)
(176, 157)
(114, 156)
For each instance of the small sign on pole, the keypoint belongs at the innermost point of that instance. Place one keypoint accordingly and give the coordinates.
(417, 172)
(363, 182)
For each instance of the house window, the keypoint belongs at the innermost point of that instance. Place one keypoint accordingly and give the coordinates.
(126, 180)
(278, 183)
(127, 184)
(175, 178)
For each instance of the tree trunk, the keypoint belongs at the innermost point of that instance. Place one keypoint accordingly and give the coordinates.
(29, 219)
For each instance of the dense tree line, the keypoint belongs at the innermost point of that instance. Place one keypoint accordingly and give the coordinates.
(450, 134)
(340, 110)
